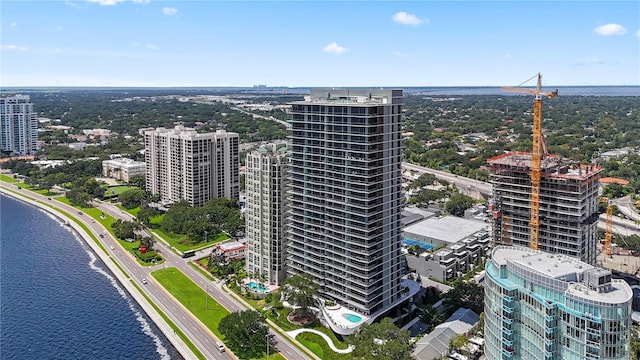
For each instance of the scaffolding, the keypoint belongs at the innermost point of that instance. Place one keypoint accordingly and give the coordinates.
(568, 204)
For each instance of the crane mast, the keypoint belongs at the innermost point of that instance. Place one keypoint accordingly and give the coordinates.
(536, 156)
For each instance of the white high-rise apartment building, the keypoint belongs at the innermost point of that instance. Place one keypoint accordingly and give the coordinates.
(183, 164)
(345, 198)
(18, 125)
(266, 174)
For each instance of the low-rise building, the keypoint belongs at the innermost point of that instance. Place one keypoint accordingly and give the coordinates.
(435, 345)
(229, 250)
(453, 261)
(123, 169)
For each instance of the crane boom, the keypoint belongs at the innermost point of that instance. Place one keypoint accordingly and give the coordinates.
(536, 156)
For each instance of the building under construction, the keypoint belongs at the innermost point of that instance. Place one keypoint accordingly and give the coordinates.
(568, 204)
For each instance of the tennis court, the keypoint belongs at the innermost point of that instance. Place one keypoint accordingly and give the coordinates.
(409, 242)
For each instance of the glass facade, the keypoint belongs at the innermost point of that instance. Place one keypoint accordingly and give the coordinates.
(535, 309)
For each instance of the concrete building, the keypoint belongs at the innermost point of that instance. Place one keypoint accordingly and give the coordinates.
(454, 261)
(266, 178)
(183, 164)
(123, 169)
(552, 306)
(568, 204)
(18, 125)
(346, 198)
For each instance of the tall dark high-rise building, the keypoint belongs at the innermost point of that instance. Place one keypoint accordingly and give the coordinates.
(345, 196)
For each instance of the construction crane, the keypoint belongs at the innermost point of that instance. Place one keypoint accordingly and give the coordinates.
(536, 154)
(609, 227)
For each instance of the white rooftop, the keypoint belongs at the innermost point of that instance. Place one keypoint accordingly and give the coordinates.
(563, 268)
(448, 229)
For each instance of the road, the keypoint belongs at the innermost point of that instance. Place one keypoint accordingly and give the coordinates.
(214, 289)
(197, 333)
(626, 206)
(471, 187)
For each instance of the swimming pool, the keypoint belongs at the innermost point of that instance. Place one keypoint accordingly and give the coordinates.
(257, 287)
(352, 318)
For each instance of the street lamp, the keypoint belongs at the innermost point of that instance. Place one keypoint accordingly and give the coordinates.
(206, 296)
(205, 236)
(266, 337)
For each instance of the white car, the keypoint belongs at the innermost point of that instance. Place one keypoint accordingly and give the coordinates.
(144, 281)
(112, 247)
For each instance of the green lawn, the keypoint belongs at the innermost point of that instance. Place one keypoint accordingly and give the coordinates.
(117, 190)
(7, 178)
(316, 343)
(192, 298)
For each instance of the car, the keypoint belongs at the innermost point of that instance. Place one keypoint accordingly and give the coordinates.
(112, 247)
(102, 235)
(48, 198)
(144, 281)
(220, 347)
(93, 221)
(272, 339)
(79, 212)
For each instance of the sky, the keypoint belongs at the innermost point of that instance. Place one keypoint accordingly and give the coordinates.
(318, 43)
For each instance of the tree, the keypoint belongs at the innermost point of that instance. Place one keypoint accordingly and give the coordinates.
(457, 342)
(383, 340)
(467, 295)
(124, 229)
(245, 333)
(146, 213)
(458, 203)
(299, 290)
(138, 181)
(132, 198)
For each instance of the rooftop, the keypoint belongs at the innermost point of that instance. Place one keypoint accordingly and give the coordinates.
(448, 229)
(564, 268)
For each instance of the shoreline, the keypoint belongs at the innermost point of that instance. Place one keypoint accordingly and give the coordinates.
(124, 280)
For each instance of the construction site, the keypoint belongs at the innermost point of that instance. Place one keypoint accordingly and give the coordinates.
(544, 201)
(567, 208)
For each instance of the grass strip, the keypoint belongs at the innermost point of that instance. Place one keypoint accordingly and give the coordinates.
(192, 297)
(173, 326)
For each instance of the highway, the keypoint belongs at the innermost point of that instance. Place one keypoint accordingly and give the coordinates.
(471, 187)
(480, 189)
(197, 333)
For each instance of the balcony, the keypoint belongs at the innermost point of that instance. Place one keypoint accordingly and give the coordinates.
(507, 299)
(507, 332)
(509, 343)
(508, 309)
(508, 352)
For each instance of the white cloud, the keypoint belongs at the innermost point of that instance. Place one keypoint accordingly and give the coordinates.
(106, 2)
(610, 29)
(13, 24)
(59, 28)
(151, 46)
(57, 51)
(508, 56)
(169, 11)
(588, 62)
(144, 2)
(335, 48)
(14, 47)
(638, 33)
(400, 54)
(408, 19)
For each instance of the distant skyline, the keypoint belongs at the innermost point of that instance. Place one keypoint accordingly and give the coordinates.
(151, 43)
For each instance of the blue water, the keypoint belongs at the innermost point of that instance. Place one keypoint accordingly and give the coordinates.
(352, 317)
(423, 245)
(257, 287)
(58, 301)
